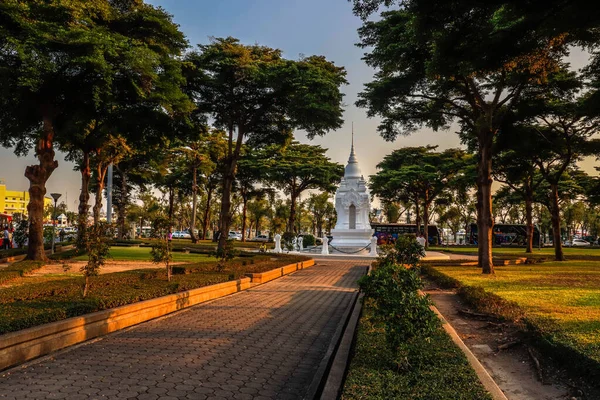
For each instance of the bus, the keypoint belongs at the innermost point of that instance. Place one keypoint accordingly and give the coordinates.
(387, 233)
(506, 235)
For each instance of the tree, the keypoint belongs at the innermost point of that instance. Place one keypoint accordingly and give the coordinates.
(445, 61)
(258, 209)
(554, 127)
(300, 167)
(515, 167)
(320, 205)
(253, 93)
(98, 249)
(161, 248)
(65, 65)
(419, 173)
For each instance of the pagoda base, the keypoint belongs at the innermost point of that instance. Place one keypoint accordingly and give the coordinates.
(351, 238)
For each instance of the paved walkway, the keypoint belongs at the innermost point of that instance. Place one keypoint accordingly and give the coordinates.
(264, 343)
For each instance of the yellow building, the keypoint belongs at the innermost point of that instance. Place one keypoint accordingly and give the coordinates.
(13, 201)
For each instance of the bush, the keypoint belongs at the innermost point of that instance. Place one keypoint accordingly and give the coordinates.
(308, 240)
(405, 251)
(19, 269)
(287, 240)
(398, 304)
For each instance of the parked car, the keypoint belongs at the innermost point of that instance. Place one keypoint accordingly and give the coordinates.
(260, 238)
(181, 235)
(577, 243)
(235, 235)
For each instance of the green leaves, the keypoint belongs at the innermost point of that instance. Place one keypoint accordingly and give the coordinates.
(394, 286)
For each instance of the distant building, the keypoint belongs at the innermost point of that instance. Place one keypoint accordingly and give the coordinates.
(13, 201)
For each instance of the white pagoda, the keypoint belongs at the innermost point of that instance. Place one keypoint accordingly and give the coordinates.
(352, 203)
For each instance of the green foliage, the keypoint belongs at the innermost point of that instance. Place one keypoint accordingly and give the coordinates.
(18, 269)
(49, 234)
(20, 233)
(287, 240)
(439, 369)
(225, 254)
(308, 240)
(161, 247)
(405, 251)
(405, 313)
(97, 247)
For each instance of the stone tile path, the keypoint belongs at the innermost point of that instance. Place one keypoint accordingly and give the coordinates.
(264, 343)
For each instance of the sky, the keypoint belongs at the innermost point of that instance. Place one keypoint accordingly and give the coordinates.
(297, 27)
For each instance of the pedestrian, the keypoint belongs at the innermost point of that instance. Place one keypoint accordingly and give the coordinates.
(62, 234)
(421, 240)
(6, 237)
(170, 236)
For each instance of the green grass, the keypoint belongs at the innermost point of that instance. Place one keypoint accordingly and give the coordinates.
(498, 251)
(143, 254)
(42, 299)
(560, 300)
(438, 369)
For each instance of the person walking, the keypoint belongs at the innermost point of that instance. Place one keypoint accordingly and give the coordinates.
(6, 237)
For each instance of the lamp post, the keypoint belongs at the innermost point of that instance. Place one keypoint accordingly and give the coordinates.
(55, 196)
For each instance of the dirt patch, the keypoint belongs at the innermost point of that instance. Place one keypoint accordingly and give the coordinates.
(503, 351)
(74, 267)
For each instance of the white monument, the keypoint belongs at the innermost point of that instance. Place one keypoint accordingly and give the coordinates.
(352, 203)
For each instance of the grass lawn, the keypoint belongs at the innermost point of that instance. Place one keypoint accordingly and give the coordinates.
(546, 251)
(560, 300)
(438, 369)
(143, 254)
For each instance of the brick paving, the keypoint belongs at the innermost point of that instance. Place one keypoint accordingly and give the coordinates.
(264, 343)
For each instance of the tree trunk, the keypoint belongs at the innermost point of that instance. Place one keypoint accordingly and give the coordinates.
(228, 178)
(122, 205)
(244, 210)
(485, 219)
(529, 219)
(84, 198)
(194, 203)
(171, 203)
(426, 220)
(86, 286)
(38, 176)
(417, 216)
(555, 212)
(292, 220)
(207, 212)
(101, 170)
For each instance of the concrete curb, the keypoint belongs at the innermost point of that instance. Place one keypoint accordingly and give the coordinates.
(339, 367)
(484, 377)
(27, 344)
(318, 382)
(264, 277)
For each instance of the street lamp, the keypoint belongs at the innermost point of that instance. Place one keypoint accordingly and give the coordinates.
(55, 196)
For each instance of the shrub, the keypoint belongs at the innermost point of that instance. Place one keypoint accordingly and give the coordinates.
(398, 304)
(20, 234)
(308, 240)
(405, 251)
(287, 240)
(19, 269)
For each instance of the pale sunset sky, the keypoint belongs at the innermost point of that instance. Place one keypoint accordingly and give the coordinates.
(307, 27)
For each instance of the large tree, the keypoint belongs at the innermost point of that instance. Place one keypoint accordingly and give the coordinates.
(61, 63)
(420, 173)
(554, 127)
(458, 61)
(255, 94)
(298, 168)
